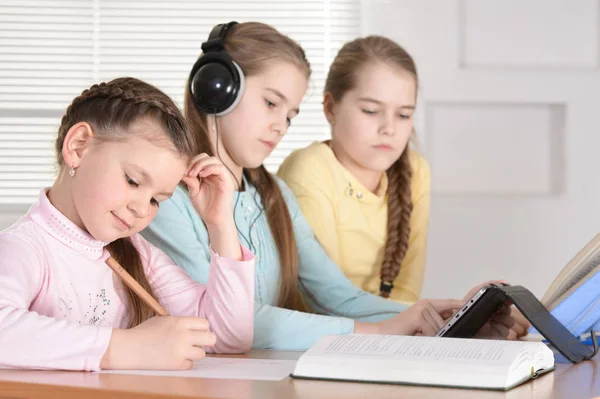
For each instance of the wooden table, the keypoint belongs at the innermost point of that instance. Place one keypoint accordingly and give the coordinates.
(568, 381)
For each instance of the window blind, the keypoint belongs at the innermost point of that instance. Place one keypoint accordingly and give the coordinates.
(51, 50)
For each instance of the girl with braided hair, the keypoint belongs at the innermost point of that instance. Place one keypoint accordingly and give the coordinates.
(301, 294)
(365, 192)
(122, 148)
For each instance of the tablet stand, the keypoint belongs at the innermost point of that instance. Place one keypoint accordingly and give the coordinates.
(557, 334)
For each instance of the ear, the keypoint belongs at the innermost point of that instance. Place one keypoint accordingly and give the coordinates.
(78, 139)
(329, 108)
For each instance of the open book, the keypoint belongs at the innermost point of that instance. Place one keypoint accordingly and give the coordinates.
(435, 361)
(579, 269)
(574, 295)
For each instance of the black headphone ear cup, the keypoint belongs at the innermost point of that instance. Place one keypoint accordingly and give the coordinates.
(216, 84)
(240, 91)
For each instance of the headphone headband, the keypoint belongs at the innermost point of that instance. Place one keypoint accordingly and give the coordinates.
(216, 38)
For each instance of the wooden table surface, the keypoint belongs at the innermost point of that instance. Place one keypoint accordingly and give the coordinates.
(567, 381)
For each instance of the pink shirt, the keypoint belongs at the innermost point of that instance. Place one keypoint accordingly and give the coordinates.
(59, 301)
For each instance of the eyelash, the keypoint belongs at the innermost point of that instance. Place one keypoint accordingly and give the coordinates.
(271, 105)
(370, 113)
(135, 184)
(132, 182)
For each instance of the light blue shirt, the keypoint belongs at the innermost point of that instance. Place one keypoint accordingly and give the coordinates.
(179, 231)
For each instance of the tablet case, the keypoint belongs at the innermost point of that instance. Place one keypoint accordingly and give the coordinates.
(545, 323)
(471, 319)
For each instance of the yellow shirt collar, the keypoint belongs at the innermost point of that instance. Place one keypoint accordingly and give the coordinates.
(359, 189)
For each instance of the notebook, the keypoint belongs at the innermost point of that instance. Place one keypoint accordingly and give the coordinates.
(431, 361)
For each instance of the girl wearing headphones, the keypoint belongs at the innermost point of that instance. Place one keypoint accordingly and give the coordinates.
(242, 95)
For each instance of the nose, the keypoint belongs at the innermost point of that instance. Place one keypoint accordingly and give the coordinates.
(279, 124)
(139, 208)
(277, 129)
(386, 128)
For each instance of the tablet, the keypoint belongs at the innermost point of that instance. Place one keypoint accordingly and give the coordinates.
(476, 312)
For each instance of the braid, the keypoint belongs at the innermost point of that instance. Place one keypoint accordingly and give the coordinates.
(118, 103)
(130, 90)
(279, 219)
(399, 210)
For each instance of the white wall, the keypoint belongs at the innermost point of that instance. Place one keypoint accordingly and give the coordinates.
(508, 118)
(10, 214)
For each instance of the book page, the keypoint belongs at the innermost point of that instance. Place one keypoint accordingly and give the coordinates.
(585, 271)
(580, 267)
(422, 348)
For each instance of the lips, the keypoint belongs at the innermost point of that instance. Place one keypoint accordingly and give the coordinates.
(269, 144)
(383, 147)
(124, 225)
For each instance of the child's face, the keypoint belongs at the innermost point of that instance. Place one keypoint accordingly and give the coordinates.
(373, 122)
(119, 184)
(254, 128)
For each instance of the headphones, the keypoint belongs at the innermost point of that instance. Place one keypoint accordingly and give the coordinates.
(216, 81)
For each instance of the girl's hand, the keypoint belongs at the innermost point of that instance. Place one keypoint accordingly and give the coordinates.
(210, 189)
(211, 192)
(521, 327)
(160, 343)
(500, 325)
(506, 323)
(425, 317)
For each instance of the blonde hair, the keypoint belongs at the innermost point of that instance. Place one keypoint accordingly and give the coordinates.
(253, 46)
(341, 78)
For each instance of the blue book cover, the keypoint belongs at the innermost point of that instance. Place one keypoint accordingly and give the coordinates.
(580, 311)
(574, 296)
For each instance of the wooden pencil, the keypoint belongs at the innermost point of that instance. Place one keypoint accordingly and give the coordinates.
(136, 287)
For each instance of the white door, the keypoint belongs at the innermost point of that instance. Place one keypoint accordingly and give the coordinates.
(508, 118)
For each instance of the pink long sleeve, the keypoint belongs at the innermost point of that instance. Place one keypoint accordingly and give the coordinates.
(29, 339)
(59, 301)
(226, 301)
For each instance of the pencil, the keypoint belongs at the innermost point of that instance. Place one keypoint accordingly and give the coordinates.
(136, 287)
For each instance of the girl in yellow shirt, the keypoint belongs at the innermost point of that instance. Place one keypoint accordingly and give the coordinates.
(364, 192)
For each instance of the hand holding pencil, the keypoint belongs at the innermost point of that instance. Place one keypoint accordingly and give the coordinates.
(159, 343)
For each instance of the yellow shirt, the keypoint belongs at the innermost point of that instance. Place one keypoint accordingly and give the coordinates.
(350, 221)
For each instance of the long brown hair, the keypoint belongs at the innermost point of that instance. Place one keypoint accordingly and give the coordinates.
(111, 108)
(341, 79)
(253, 46)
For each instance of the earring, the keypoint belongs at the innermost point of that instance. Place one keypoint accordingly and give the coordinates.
(72, 171)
